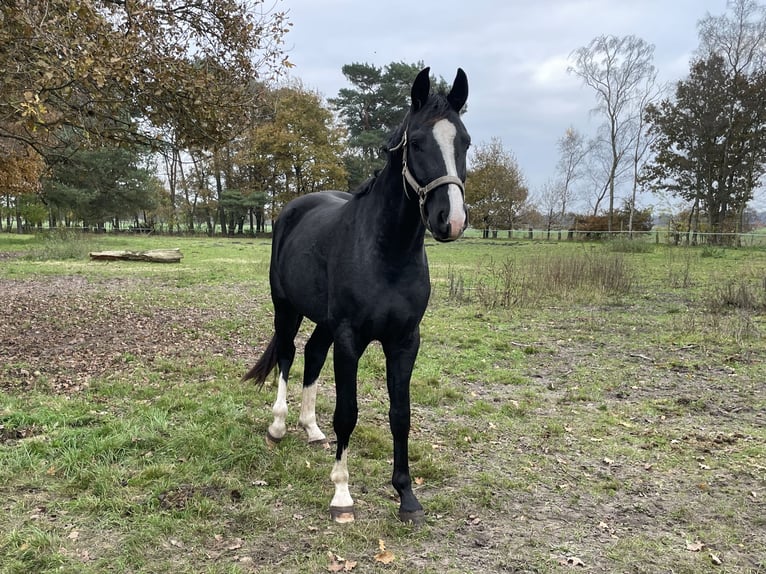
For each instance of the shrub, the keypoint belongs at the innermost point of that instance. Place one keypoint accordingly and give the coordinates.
(511, 283)
(61, 244)
(740, 295)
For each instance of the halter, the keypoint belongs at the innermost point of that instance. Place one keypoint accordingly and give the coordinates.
(422, 191)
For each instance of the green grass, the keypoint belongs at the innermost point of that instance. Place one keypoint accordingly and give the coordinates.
(574, 400)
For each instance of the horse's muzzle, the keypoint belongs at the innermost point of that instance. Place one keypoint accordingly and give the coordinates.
(450, 229)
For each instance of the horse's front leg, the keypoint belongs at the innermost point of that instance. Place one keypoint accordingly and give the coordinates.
(346, 353)
(400, 359)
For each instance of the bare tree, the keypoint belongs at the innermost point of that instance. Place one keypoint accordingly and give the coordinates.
(548, 199)
(616, 68)
(647, 94)
(598, 165)
(739, 37)
(572, 152)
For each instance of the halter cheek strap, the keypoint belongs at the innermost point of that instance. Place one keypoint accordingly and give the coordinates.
(422, 191)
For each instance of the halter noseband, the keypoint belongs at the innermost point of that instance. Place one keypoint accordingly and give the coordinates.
(422, 191)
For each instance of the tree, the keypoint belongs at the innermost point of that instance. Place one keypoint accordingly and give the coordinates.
(295, 150)
(572, 152)
(616, 69)
(710, 146)
(642, 139)
(372, 109)
(114, 70)
(495, 187)
(100, 185)
(549, 200)
(739, 38)
(20, 171)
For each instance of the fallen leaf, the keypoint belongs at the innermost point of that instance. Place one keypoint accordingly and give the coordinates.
(384, 556)
(696, 546)
(74, 535)
(419, 480)
(339, 564)
(571, 561)
(336, 562)
(715, 559)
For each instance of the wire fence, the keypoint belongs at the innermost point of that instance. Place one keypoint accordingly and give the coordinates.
(658, 236)
(662, 235)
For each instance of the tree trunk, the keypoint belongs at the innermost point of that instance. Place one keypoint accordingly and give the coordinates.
(219, 193)
(152, 255)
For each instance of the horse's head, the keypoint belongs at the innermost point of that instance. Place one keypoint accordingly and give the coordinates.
(435, 144)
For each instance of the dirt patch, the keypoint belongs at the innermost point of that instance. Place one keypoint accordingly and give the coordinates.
(10, 255)
(65, 331)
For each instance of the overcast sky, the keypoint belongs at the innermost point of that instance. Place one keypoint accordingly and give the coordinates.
(515, 53)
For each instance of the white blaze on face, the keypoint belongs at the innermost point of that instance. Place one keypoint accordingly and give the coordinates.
(444, 133)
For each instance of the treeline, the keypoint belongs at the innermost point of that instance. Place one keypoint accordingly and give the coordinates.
(197, 131)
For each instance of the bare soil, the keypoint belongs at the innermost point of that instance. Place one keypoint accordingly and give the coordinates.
(68, 330)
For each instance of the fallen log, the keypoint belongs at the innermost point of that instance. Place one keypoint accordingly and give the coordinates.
(152, 255)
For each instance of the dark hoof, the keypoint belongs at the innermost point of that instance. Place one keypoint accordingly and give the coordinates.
(321, 443)
(414, 517)
(271, 440)
(342, 514)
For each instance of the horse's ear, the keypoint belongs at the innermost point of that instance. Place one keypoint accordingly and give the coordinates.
(420, 89)
(459, 92)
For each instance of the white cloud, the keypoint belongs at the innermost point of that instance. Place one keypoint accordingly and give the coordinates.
(515, 54)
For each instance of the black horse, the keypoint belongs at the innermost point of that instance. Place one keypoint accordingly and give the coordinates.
(355, 264)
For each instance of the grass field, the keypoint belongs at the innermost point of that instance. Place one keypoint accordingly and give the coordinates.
(576, 407)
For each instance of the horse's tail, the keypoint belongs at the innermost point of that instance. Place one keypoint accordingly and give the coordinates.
(265, 364)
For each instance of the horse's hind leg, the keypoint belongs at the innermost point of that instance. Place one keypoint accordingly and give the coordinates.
(315, 355)
(286, 324)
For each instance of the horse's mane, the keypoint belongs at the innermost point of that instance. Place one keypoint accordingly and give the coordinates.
(365, 187)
